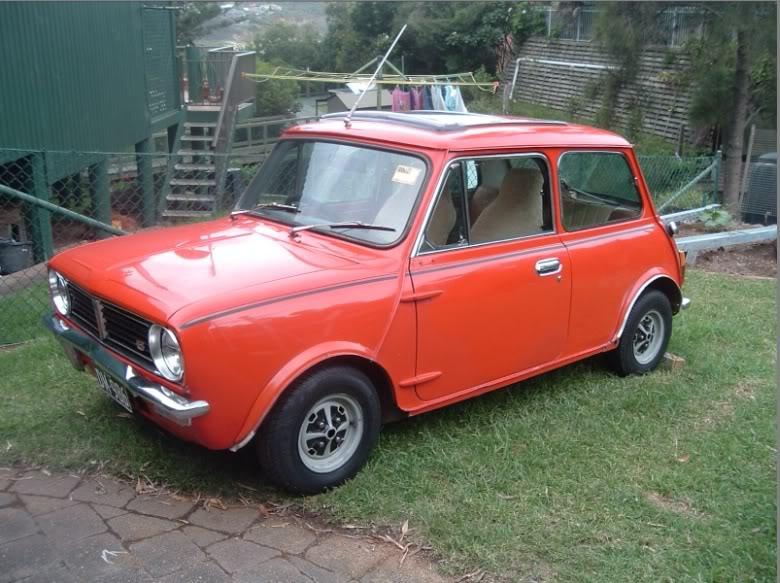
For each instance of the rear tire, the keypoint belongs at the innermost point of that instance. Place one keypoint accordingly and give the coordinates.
(645, 336)
(321, 431)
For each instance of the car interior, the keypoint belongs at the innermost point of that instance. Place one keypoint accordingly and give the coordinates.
(505, 198)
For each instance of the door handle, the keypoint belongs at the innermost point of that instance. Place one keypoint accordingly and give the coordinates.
(550, 266)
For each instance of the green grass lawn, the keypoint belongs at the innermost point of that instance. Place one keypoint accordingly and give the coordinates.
(20, 313)
(575, 476)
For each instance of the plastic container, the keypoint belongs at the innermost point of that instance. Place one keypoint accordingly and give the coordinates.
(15, 256)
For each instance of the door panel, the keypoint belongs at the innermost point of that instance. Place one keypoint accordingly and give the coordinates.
(607, 263)
(495, 314)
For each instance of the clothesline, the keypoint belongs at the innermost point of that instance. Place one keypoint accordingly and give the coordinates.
(455, 79)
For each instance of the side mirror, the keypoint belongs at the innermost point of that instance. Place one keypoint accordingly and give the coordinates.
(672, 228)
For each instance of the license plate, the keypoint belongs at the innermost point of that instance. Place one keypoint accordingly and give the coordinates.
(113, 389)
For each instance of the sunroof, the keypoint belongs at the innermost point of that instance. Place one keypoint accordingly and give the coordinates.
(440, 120)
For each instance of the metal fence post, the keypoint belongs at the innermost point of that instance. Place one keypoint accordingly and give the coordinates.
(40, 219)
(145, 179)
(101, 192)
(715, 177)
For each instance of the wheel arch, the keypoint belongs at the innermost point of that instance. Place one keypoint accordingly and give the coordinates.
(287, 378)
(661, 282)
(375, 372)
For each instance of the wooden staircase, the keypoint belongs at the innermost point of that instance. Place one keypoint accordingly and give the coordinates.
(193, 183)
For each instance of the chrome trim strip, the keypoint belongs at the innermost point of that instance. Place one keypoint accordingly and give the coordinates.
(244, 441)
(440, 182)
(164, 401)
(636, 297)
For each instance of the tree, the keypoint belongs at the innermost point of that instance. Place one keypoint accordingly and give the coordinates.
(189, 16)
(294, 45)
(274, 97)
(733, 70)
(441, 37)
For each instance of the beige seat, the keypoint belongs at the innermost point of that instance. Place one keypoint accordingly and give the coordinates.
(517, 210)
(483, 196)
(442, 220)
(579, 213)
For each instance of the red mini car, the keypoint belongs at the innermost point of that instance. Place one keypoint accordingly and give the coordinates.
(377, 267)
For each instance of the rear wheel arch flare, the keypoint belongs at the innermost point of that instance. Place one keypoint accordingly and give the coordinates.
(670, 289)
(662, 283)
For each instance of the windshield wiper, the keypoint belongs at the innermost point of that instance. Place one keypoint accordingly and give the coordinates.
(345, 225)
(291, 208)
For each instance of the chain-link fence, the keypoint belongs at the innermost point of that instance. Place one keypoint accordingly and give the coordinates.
(104, 194)
(672, 27)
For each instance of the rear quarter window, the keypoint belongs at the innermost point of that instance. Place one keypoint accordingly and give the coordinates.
(596, 188)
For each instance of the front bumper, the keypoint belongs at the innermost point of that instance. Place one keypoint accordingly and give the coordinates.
(161, 399)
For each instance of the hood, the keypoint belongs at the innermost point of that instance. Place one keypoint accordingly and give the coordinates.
(157, 272)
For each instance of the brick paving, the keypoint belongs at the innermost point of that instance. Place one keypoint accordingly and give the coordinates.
(69, 529)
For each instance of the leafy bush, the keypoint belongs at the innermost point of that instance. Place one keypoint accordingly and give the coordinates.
(716, 219)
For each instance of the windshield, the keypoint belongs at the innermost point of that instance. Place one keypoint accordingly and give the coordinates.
(306, 183)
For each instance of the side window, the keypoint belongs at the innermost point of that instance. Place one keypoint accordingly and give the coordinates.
(596, 188)
(511, 199)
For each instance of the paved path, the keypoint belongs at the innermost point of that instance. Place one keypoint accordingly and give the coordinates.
(63, 528)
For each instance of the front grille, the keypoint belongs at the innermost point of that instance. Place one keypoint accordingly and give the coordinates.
(127, 333)
(82, 309)
(117, 328)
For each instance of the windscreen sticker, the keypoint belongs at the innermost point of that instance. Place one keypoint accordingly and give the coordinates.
(406, 174)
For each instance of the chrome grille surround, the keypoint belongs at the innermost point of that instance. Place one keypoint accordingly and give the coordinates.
(115, 327)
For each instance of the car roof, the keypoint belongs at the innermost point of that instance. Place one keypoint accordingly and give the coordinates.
(457, 131)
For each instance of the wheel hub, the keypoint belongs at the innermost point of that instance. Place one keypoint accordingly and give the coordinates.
(648, 337)
(330, 433)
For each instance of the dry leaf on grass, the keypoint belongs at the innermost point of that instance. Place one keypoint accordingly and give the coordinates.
(404, 530)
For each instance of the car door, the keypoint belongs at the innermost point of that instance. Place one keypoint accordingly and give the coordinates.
(492, 295)
(611, 237)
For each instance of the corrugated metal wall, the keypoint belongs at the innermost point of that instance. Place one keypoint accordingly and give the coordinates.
(73, 77)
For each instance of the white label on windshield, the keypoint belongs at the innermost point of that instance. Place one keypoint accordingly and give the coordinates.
(406, 174)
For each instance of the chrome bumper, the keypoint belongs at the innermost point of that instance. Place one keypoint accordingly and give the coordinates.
(686, 303)
(162, 400)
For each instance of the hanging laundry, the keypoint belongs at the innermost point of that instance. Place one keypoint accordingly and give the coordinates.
(427, 103)
(416, 94)
(453, 100)
(401, 100)
(438, 99)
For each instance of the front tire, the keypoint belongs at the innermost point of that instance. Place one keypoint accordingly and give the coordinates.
(645, 336)
(321, 431)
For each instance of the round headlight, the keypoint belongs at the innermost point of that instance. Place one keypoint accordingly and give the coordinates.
(166, 353)
(58, 288)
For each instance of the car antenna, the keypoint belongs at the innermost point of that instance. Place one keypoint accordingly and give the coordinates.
(348, 119)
